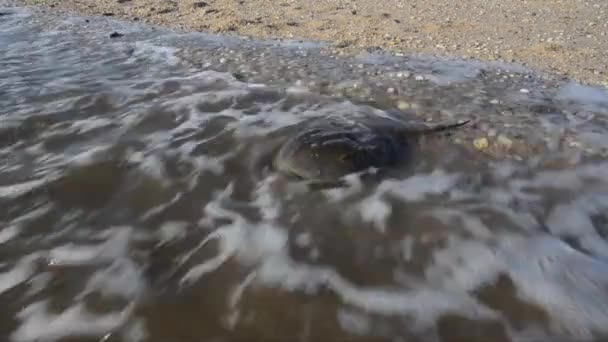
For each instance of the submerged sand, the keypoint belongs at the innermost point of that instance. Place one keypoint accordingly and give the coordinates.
(564, 37)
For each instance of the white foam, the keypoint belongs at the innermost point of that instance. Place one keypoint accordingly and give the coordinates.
(567, 219)
(89, 155)
(17, 225)
(425, 305)
(569, 285)
(354, 322)
(303, 240)
(17, 275)
(38, 324)
(157, 53)
(264, 246)
(16, 190)
(135, 331)
(417, 187)
(353, 185)
(375, 210)
(39, 282)
(160, 208)
(229, 239)
(269, 206)
(116, 245)
(594, 98)
(212, 164)
(71, 254)
(407, 248)
(594, 140)
(90, 124)
(463, 265)
(545, 271)
(472, 224)
(574, 219)
(235, 297)
(172, 230)
(153, 166)
(122, 278)
(8, 233)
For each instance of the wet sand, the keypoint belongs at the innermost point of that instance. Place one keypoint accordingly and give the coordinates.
(562, 37)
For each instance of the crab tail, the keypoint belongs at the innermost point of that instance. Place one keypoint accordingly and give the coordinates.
(443, 127)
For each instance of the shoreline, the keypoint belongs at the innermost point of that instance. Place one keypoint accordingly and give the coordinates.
(555, 37)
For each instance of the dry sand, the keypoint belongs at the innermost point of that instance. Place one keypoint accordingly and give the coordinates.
(565, 37)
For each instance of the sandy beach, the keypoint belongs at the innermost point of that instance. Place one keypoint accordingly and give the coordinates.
(563, 37)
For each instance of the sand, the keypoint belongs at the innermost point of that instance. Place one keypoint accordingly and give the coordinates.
(564, 37)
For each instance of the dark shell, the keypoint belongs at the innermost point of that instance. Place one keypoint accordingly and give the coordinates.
(327, 149)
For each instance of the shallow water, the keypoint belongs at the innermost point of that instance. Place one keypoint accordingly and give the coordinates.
(137, 202)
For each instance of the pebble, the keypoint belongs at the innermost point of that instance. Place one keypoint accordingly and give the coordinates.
(494, 102)
(481, 143)
(504, 141)
(403, 105)
(524, 90)
(491, 133)
(390, 90)
(303, 240)
(419, 78)
(314, 254)
(200, 4)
